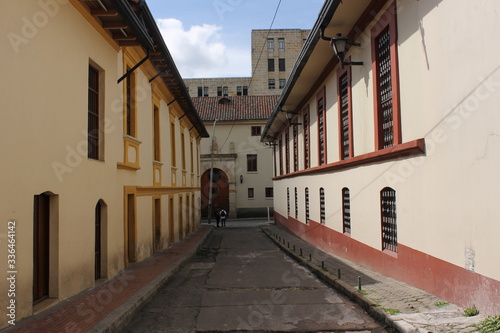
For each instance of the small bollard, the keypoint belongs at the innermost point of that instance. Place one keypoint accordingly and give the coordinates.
(359, 282)
(301, 252)
(339, 273)
(294, 248)
(323, 264)
(310, 257)
(288, 244)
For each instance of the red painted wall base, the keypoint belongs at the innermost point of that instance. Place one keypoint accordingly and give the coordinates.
(450, 282)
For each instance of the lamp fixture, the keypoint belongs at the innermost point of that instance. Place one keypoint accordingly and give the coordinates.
(289, 116)
(339, 44)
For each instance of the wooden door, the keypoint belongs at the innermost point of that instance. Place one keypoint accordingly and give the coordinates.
(41, 245)
(220, 191)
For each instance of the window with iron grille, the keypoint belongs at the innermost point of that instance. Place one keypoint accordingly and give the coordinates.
(322, 207)
(384, 91)
(256, 130)
(288, 201)
(389, 222)
(295, 148)
(130, 104)
(307, 204)
(296, 204)
(306, 140)
(281, 64)
(345, 121)
(346, 210)
(321, 131)
(93, 133)
(252, 162)
(269, 192)
(287, 152)
(280, 149)
(386, 81)
(270, 65)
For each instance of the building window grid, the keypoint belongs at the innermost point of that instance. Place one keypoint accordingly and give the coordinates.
(270, 44)
(93, 131)
(307, 204)
(256, 130)
(383, 44)
(295, 148)
(251, 162)
(287, 152)
(288, 201)
(281, 44)
(389, 222)
(321, 132)
(250, 193)
(270, 65)
(322, 206)
(200, 91)
(205, 91)
(281, 65)
(344, 109)
(272, 84)
(282, 83)
(306, 141)
(296, 204)
(346, 210)
(239, 90)
(269, 192)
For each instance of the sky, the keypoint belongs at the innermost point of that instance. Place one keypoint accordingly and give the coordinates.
(211, 38)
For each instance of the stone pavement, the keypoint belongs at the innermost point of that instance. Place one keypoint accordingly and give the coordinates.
(401, 306)
(111, 305)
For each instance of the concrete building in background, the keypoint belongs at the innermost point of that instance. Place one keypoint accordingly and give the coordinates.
(242, 179)
(274, 53)
(100, 144)
(395, 162)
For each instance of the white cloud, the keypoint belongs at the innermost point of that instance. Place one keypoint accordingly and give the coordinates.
(200, 52)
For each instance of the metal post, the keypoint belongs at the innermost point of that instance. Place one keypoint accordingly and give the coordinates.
(211, 177)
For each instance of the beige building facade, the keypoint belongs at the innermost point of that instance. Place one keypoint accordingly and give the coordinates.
(242, 177)
(101, 148)
(395, 162)
(274, 53)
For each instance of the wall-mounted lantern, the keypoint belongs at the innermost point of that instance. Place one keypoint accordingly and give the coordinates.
(339, 44)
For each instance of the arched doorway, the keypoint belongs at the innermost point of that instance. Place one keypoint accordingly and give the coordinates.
(220, 191)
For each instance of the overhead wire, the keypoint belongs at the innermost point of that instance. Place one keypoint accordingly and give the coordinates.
(256, 65)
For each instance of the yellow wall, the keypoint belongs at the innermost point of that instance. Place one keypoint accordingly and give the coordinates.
(44, 147)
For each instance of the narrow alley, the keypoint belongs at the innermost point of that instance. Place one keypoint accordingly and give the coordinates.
(241, 281)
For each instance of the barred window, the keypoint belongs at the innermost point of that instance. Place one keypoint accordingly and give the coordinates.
(288, 201)
(295, 148)
(389, 225)
(322, 206)
(345, 116)
(296, 204)
(306, 140)
(321, 129)
(307, 204)
(346, 210)
(93, 134)
(287, 152)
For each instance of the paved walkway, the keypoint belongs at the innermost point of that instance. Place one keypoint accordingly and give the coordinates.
(405, 308)
(111, 305)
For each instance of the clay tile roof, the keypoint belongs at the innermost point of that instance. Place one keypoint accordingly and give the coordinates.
(230, 108)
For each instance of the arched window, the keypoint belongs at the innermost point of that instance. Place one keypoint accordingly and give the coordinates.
(388, 216)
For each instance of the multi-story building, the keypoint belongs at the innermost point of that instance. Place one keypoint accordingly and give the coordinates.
(393, 163)
(101, 147)
(274, 53)
(242, 165)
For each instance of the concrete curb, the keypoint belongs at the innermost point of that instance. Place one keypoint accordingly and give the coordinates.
(122, 316)
(352, 293)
